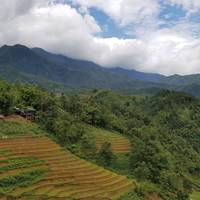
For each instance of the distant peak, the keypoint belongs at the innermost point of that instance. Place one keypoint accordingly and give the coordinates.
(176, 75)
(20, 46)
(5, 46)
(15, 46)
(38, 49)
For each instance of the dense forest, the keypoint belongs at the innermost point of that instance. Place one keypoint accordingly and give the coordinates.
(164, 131)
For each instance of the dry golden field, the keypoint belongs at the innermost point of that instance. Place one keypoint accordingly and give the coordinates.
(65, 175)
(120, 144)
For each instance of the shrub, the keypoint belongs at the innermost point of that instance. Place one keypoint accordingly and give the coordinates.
(105, 155)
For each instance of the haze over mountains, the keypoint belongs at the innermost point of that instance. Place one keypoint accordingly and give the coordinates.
(20, 63)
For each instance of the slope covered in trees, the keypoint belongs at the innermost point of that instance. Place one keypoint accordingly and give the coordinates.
(164, 131)
(57, 72)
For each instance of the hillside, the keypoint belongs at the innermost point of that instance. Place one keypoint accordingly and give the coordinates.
(195, 196)
(119, 143)
(188, 83)
(182, 80)
(17, 127)
(63, 175)
(59, 73)
(160, 131)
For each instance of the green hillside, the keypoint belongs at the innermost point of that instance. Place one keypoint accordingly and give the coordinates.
(58, 73)
(15, 129)
(195, 196)
(162, 131)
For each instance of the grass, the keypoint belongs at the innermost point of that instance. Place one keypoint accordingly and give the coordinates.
(195, 196)
(19, 162)
(13, 129)
(9, 183)
(5, 152)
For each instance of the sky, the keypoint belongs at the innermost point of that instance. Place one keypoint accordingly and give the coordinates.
(159, 36)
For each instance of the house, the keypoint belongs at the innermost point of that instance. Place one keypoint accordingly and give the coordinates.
(28, 112)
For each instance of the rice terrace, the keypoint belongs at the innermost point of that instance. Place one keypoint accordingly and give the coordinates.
(120, 144)
(38, 168)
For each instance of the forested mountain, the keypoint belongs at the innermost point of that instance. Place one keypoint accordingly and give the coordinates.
(60, 73)
(182, 80)
(38, 66)
(149, 77)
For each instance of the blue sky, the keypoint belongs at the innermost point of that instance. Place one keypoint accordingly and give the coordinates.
(109, 28)
(168, 15)
(160, 36)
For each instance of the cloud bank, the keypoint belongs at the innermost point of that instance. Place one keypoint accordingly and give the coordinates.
(67, 27)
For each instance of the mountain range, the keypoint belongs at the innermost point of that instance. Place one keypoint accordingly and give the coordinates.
(59, 73)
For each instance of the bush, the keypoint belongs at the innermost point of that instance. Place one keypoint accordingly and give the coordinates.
(88, 146)
(105, 155)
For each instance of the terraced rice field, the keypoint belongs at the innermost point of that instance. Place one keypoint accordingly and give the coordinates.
(68, 177)
(120, 144)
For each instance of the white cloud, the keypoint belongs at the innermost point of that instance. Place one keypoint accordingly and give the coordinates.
(189, 5)
(57, 27)
(165, 51)
(172, 52)
(11, 9)
(124, 12)
(92, 24)
(62, 29)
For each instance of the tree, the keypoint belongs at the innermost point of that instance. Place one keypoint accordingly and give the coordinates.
(6, 101)
(64, 101)
(88, 147)
(182, 195)
(150, 157)
(67, 132)
(106, 155)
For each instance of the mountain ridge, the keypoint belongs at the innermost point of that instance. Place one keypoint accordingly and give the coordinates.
(36, 65)
(70, 72)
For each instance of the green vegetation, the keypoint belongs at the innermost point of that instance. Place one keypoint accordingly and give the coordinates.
(13, 129)
(59, 73)
(121, 164)
(5, 152)
(106, 156)
(195, 196)
(131, 196)
(11, 182)
(164, 131)
(18, 162)
(16, 171)
(143, 190)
